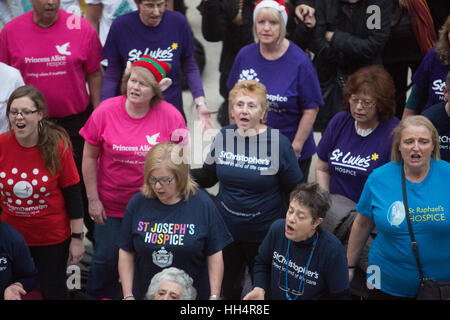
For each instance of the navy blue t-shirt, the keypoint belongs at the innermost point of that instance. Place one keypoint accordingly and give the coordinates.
(16, 264)
(440, 119)
(181, 235)
(253, 173)
(326, 277)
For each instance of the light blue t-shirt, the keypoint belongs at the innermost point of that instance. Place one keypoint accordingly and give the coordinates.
(429, 209)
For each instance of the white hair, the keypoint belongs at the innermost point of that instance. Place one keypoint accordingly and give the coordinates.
(175, 275)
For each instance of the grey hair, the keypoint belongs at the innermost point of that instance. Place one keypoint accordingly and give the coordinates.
(175, 275)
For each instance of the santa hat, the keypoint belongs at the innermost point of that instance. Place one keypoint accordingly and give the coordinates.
(158, 68)
(278, 5)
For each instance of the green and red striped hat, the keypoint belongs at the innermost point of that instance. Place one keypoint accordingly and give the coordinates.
(158, 68)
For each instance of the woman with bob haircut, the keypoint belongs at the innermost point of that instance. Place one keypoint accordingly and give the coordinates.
(40, 189)
(171, 284)
(299, 259)
(415, 160)
(256, 168)
(350, 147)
(170, 223)
(118, 135)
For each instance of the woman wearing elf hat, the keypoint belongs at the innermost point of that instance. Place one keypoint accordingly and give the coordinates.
(164, 35)
(288, 74)
(118, 136)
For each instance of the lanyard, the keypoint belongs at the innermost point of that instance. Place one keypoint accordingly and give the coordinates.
(288, 297)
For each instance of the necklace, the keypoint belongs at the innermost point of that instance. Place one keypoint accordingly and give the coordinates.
(300, 288)
(364, 132)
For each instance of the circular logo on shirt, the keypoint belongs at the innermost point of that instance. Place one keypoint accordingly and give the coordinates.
(23, 189)
(396, 214)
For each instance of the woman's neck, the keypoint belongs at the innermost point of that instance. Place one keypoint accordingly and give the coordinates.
(252, 131)
(136, 111)
(417, 175)
(273, 51)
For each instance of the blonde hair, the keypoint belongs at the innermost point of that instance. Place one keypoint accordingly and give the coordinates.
(250, 88)
(163, 155)
(274, 14)
(415, 121)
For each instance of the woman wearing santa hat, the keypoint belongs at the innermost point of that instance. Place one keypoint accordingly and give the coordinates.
(118, 135)
(288, 74)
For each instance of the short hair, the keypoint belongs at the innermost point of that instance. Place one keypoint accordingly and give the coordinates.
(175, 275)
(251, 88)
(414, 121)
(274, 14)
(162, 155)
(314, 197)
(375, 81)
(149, 77)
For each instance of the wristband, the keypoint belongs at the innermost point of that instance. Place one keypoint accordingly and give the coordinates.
(351, 267)
(215, 296)
(128, 296)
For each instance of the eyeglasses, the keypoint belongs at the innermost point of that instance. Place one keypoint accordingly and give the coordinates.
(23, 113)
(365, 103)
(154, 6)
(162, 181)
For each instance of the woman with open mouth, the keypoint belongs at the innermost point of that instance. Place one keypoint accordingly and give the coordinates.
(40, 190)
(118, 135)
(256, 168)
(404, 199)
(298, 259)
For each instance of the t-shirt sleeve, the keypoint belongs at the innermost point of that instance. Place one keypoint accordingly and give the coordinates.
(90, 131)
(234, 73)
(364, 205)
(421, 77)
(325, 143)
(4, 54)
(111, 48)
(69, 173)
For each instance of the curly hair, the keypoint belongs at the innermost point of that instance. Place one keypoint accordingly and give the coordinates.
(177, 276)
(377, 82)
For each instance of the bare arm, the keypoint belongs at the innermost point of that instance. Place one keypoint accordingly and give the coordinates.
(362, 226)
(89, 170)
(323, 174)
(215, 271)
(93, 14)
(304, 129)
(94, 80)
(126, 272)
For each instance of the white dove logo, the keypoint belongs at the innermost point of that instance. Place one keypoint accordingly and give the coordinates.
(63, 49)
(152, 140)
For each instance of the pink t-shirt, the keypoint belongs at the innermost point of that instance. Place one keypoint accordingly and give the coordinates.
(53, 59)
(124, 142)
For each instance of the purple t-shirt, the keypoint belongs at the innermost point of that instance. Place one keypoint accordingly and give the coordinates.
(292, 86)
(171, 41)
(351, 158)
(430, 78)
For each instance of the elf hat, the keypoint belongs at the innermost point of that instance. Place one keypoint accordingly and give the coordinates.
(158, 68)
(278, 5)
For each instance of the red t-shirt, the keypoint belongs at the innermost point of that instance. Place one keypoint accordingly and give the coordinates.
(31, 197)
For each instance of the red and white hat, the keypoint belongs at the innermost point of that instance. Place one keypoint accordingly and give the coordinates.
(278, 5)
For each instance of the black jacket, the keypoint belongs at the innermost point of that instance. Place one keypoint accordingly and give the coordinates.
(360, 33)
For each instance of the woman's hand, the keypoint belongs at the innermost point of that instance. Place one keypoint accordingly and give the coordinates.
(297, 146)
(76, 251)
(14, 292)
(256, 294)
(204, 115)
(97, 211)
